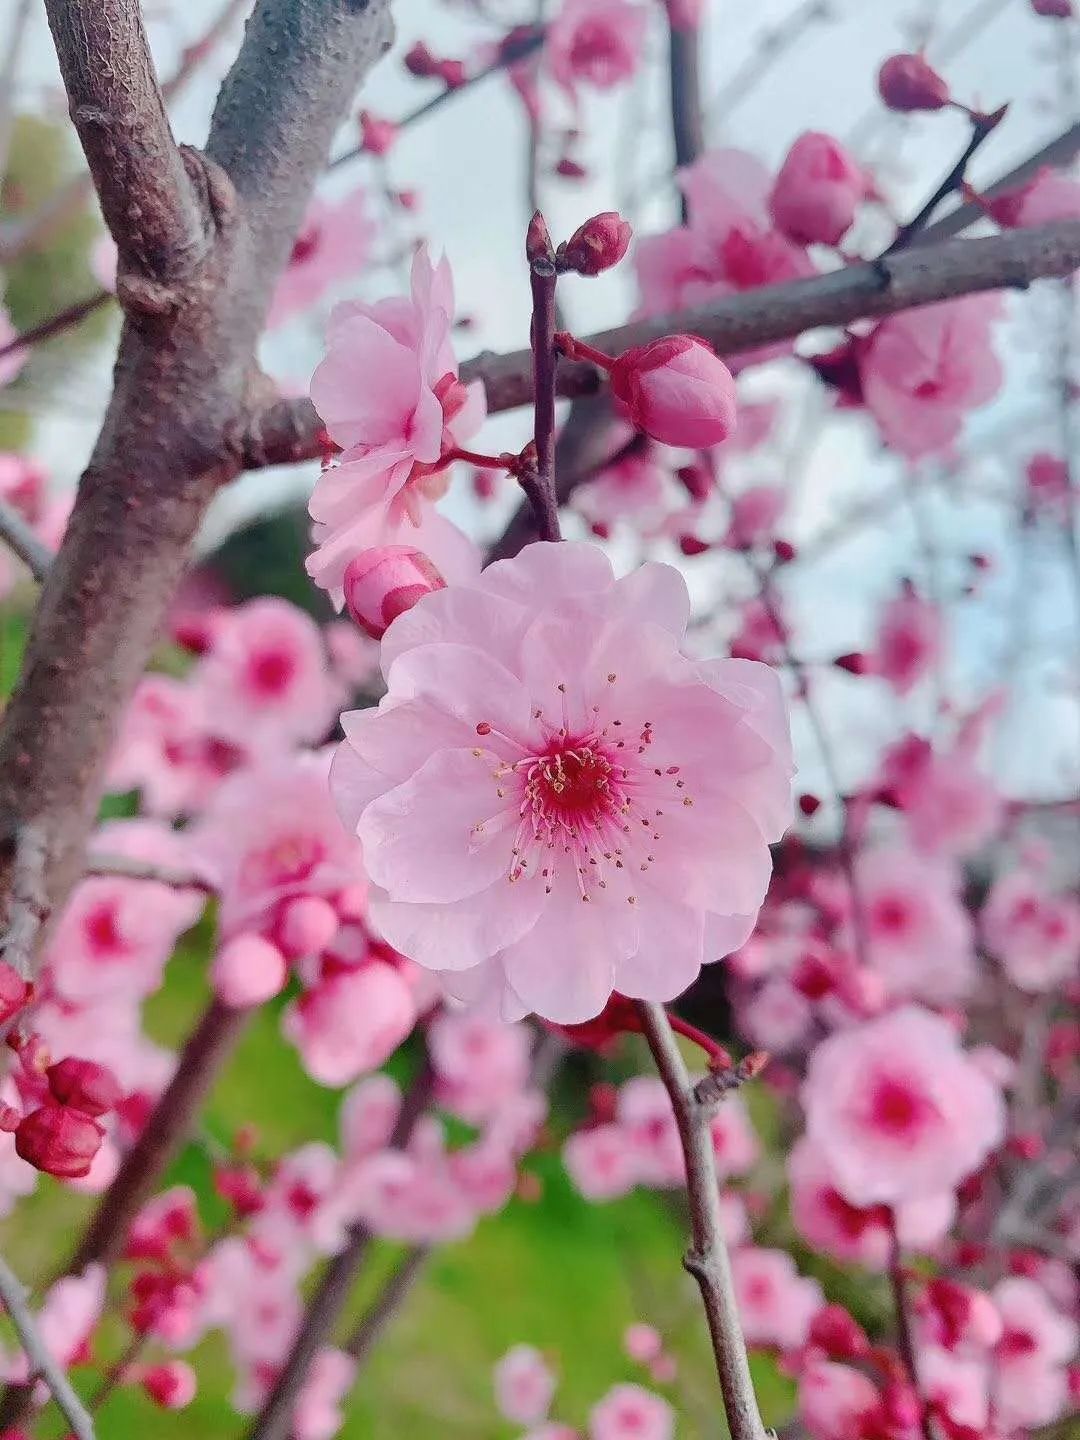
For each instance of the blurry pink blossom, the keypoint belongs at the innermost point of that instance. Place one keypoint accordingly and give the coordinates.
(524, 1385)
(630, 1412)
(334, 244)
(776, 1303)
(817, 191)
(595, 42)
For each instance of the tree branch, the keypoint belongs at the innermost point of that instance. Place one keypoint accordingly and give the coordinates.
(982, 127)
(17, 535)
(40, 1358)
(132, 869)
(288, 430)
(331, 1297)
(372, 1325)
(707, 1259)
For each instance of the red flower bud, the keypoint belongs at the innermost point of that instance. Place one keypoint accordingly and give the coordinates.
(383, 583)
(809, 805)
(171, 1384)
(598, 244)
(690, 546)
(677, 390)
(854, 663)
(376, 136)
(419, 61)
(14, 992)
(841, 1337)
(784, 551)
(907, 82)
(59, 1140)
(84, 1085)
(570, 169)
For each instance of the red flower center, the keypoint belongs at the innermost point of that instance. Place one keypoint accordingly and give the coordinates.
(271, 672)
(899, 1108)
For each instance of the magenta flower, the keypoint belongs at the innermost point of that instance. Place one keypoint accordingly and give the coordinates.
(552, 799)
(595, 42)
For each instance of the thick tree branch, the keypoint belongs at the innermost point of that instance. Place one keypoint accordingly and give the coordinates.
(42, 1363)
(707, 1259)
(149, 199)
(183, 386)
(289, 430)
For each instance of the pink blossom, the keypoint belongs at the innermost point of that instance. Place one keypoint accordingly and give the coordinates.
(319, 1414)
(350, 1022)
(635, 490)
(270, 835)
(643, 1343)
(172, 1384)
(776, 1303)
(854, 1234)
(817, 191)
(906, 82)
(368, 1116)
(919, 937)
(923, 371)
(524, 1385)
(598, 244)
(1035, 935)
(478, 1062)
(897, 1110)
(956, 1386)
(778, 1017)
(1048, 196)
(164, 749)
(248, 971)
(595, 42)
(354, 656)
(1048, 483)
(549, 691)
(388, 394)
(411, 1196)
(910, 641)
(334, 244)
(754, 514)
(836, 1402)
(1038, 1341)
(630, 1412)
(601, 1162)
(267, 676)
(380, 584)
(677, 390)
(115, 935)
(950, 806)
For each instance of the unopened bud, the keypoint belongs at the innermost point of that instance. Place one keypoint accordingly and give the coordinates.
(376, 135)
(171, 1384)
(538, 244)
(597, 245)
(59, 1140)
(84, 1085)
(247, 971)
(907, 82)
(383, 583)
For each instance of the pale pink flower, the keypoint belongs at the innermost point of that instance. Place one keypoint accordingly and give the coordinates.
(350, 1021)
(643, 1343)
(115, 935)
(777, 1017)
(354, 656)
(319, 1414)
(1034, 934)
(334, 244)
(754, 514)
(897, 1109)
(252, 1294)
(761, 634)
(1048, 196)
(368, 1116)
(164, 749)
(380, 584)
(817, 191)
(924, 371)
(950, 806)
(919, 936)
(776, 1303)
(478, 1063)
(248, 971)
(524, 1385)
(636, 490)
(270, 835)
(836, 1402)
(410, 1196)
(601, 1162)
(549, 706)
(595, 42)
(910, 641)
(1037, 1342)
(855, 1234)
(267, 677)
(957, 1386)
(630, 1412)
(299, 1212)
(388, 394)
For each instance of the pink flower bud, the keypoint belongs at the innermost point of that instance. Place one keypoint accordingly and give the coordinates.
(1054, 9)
(419, 61)
(840, 1336)
(677, 390)
(817, 191)
(59, 1140)
(383, 583)
(907, 82)
(376, 136)
(171, 1385)
(14, 992)
(570, 169)
(84, 1085)
(306, 926)
(247, 971)
(598, 244)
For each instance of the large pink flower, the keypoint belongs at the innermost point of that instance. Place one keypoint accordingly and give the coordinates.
(898, 1111)
(923, 371)
(389, 395)
(553, 800)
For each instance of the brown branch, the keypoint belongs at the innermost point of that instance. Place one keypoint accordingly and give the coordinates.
(543, 279)
(42, 1363)
(332, 1295)
(207, 1049)
(289, 430)
(707, 1259)
(18, 536)
(371, 1327)
(132, 869)
(687, 124)
(57, 324)
(982, 127)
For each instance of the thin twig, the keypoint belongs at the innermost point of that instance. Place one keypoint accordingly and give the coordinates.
(57, 324)
(132, 869)
(370, 1328)
(18, 536)
(982, 127)
(707, 1259)
(43, 1364)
